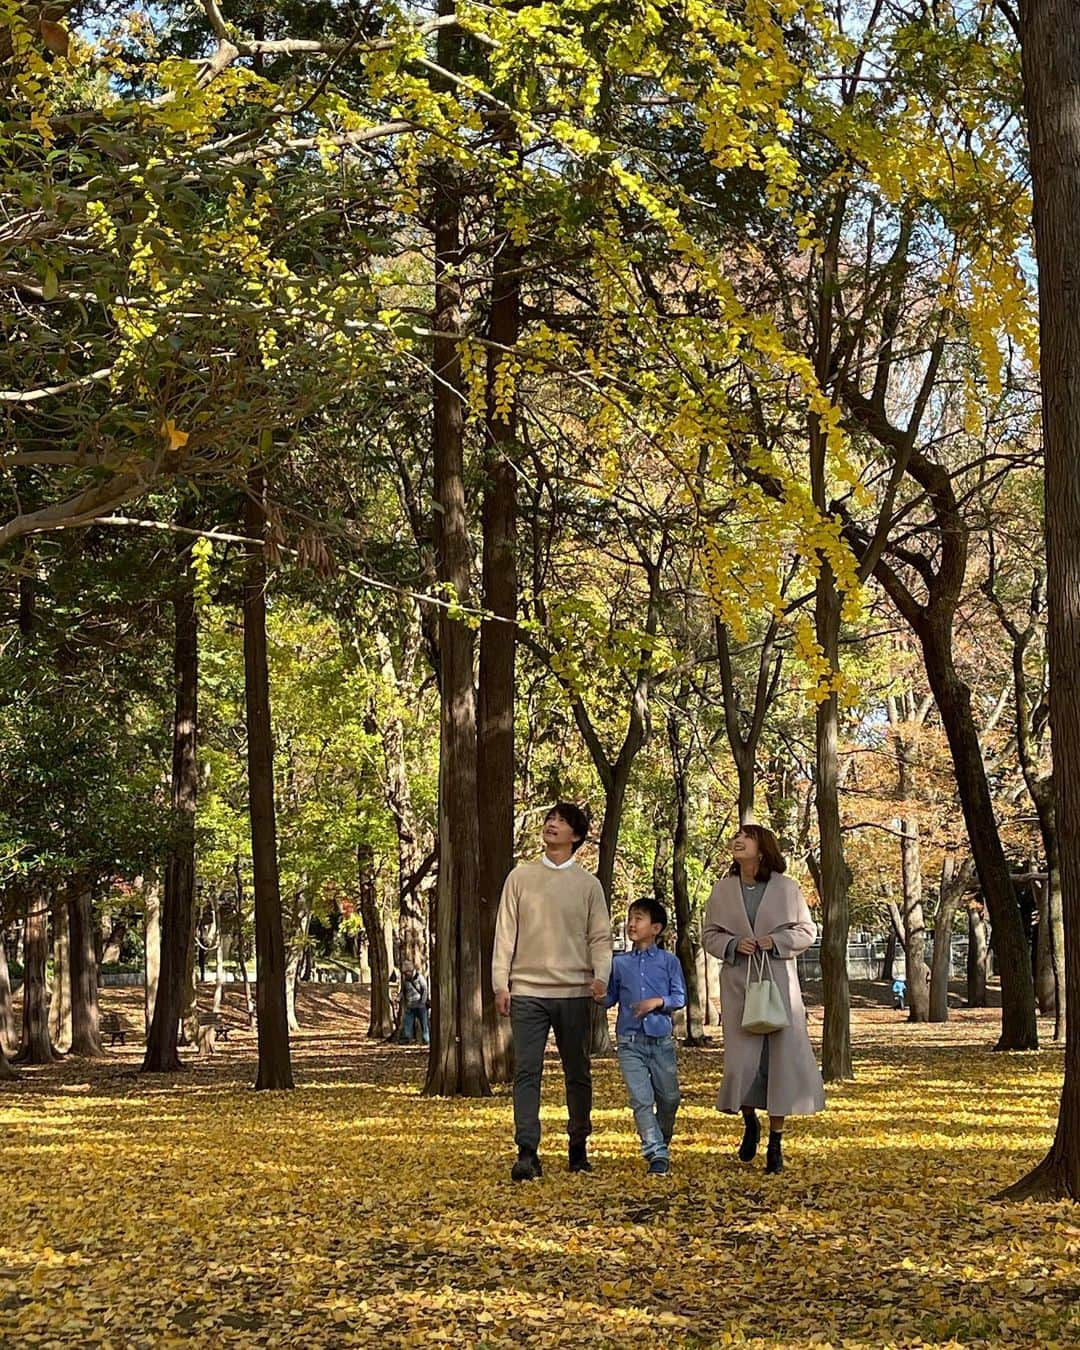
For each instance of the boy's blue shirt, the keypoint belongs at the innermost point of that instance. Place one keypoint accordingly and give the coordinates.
(637, 975)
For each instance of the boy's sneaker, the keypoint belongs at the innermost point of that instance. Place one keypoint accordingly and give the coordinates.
(579, 1159)
(527, 1167)
(659, 1167)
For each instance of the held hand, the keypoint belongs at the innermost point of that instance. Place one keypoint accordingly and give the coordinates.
(645, 1006)
(599, 989)
(502, 1002)
(746, 946)
(765, 944)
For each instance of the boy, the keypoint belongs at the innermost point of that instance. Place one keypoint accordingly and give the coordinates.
(552, 952)
(647, 984)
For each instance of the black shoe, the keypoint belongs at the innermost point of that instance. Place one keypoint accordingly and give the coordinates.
(527, 1167)
(579, 1160)
(774, 1154)
(751, 1137)
(659, 1167)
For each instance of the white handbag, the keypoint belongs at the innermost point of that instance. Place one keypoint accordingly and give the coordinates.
(764, 1009)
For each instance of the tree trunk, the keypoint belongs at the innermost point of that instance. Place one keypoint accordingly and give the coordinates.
(178, 901)
(953, 885)
(836, 1062)
(35, 1046)
(685, 948)
(296, 953)
(1056, 934)
(978, 956)
(381, 1020)
(412, 911)
(241, 945)
(495, 692)
(889, 961)
(953, 698)
(60, 990)
(219, 952)
(914, 924)
(85, 1019)
(1051, 68)
(275, 1065)
(151, 950)
(1045, 991)
(456, 1063)
(7, 1010)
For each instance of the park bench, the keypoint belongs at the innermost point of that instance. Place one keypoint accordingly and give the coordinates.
(112, 1025)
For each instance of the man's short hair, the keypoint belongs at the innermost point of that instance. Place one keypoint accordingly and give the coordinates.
(575, 817)
(648, 904)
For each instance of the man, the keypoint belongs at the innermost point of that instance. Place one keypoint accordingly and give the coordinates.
(414, 1005)
(552, 957)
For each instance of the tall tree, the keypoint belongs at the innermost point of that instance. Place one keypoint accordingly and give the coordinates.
(456, 1064)
(275, 1065)
(178, 898)
(85, 1021)
(1050, 46)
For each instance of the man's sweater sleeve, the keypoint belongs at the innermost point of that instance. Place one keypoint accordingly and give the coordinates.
(599, 935)
(505, 936)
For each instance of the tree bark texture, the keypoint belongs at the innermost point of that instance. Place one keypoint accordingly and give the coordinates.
(456, 1062)
(35, 1046)
(978, 957)
(275, 1065)
(151, 950)
(905, 734)
(7, 1010)
(60, 989)
(178, 899)
(85, 1018)
(1050, 31)
(381, 1020)
(685, 948)
(836, 1061)
(496, 689)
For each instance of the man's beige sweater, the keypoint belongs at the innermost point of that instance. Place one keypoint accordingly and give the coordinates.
(553, 934)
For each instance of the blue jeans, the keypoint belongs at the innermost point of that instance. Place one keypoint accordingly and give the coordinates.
(412, 1018)
(652, 1080)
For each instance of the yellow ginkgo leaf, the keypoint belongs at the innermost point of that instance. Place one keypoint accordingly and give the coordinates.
(177, 439)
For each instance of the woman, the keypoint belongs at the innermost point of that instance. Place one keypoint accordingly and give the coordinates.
(757, 909)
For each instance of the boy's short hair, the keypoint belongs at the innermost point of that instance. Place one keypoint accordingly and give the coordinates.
(575, 817)
(648, 904)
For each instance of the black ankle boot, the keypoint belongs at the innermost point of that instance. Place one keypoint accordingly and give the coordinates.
(579, 1159)
(527, 1167)
(774, 1154)
(751, 1136)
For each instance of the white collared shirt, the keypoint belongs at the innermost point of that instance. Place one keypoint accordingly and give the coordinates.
(557, 867)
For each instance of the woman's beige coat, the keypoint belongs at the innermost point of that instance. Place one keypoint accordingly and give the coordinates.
(795, 1086)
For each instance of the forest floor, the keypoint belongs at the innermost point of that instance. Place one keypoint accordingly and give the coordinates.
(143, 1211)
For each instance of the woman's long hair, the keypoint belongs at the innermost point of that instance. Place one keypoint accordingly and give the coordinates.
(771, 859)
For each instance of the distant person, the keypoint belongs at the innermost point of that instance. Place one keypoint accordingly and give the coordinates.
(899, 989)
(755, 909)
(414, 1005)
(647, 984)
(552, 957)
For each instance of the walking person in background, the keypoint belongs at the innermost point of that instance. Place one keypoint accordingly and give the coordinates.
(414, 1005)
(552, 957)
(756, 909)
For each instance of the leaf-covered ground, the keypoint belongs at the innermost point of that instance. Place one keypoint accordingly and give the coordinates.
(353, 1211)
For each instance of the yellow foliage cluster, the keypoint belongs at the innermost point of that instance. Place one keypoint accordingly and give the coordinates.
(138, 1212)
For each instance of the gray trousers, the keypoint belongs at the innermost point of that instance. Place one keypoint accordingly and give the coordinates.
(530, 1020)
